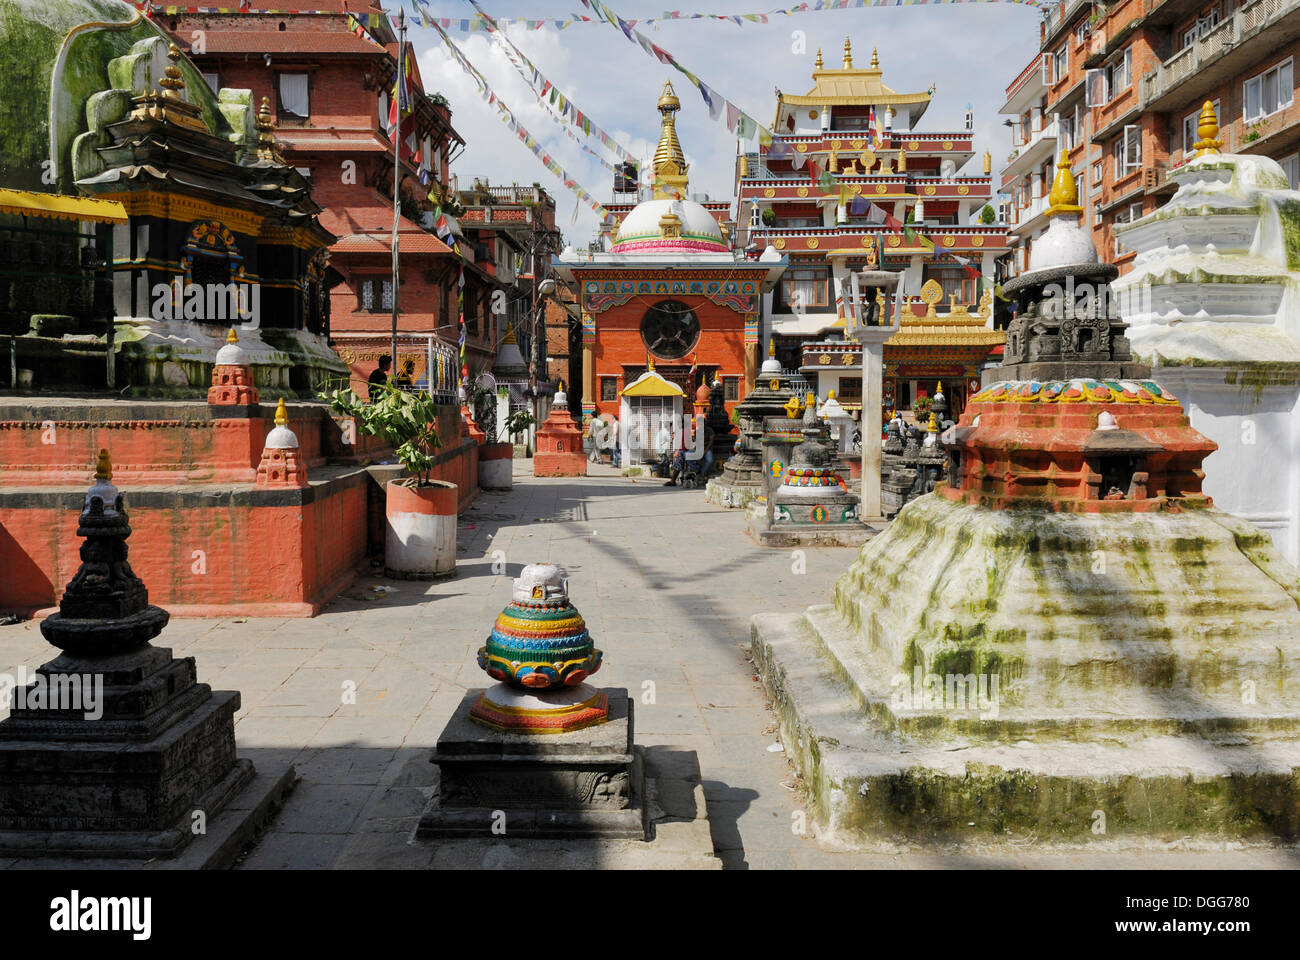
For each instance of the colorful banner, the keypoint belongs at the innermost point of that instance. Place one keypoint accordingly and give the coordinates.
(541, 86)
(507, 117)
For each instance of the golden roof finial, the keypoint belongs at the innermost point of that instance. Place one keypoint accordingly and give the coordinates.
(875, 59)
(669, 161)
(281, 414)
(1064, 197)
(933, 426)
(830, 394)
(939, 387)
(232, 337)
(771, 347)
(818, 64)
(650, 362)
(988, 162)
(267, 149)
(1207, 128)
(510, 333)
(103, 466)
(848, 54)
(172, 80)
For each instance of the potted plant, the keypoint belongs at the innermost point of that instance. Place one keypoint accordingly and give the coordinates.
(420, 537)
(496, 460)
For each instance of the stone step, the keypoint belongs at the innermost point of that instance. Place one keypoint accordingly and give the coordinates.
(868, 781)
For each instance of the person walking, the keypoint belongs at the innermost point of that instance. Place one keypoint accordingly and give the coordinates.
(378, 378)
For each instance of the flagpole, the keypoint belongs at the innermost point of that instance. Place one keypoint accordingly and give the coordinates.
(398, 90)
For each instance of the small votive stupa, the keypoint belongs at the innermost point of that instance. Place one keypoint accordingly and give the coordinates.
(1065, 640)
(1213, 305)
(551, 751)
(741, 480)
(115, 750)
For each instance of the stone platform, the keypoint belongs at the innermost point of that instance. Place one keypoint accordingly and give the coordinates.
(584, 783)
(1129, 680)
(733, 496)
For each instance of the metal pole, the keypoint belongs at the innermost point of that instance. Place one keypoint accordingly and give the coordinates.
(398, 90)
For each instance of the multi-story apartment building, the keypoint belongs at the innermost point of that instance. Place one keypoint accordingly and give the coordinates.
(1120, 85)
(327, 76)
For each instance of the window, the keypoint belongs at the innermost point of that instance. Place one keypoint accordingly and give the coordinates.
(1268, 92)
(1045, 69)
(1097, 174)
(731, 388)
(213, 81)
(1127, 215)
(1119, 74)
(1128, 151)
(1190, 136)
(1291, 167)
(608, 388)
(294, 100)
(804, 287)
(1096, 217)
(367, 294)
(850, 388)
(387, 295)
(1203, 25)
(1061, 65)
(670, 329)
(1081, 32)
(1066, 126)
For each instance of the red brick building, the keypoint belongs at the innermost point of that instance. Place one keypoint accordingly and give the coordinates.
(329, 75)
(1120, 88)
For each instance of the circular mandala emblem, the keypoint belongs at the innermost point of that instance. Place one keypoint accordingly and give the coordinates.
(802, 191)
(769, 192)
(929, 191)
(812, 243)
(977, 241)
(963, 189)
(881, 188)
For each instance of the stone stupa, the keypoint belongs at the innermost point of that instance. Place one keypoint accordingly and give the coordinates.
(1213, 304)
(1065, 626)
(741, 481)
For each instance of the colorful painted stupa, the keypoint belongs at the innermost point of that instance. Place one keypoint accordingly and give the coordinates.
(541, 652)
(1066, 626)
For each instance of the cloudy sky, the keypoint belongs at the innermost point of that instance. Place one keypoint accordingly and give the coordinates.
(969, 51)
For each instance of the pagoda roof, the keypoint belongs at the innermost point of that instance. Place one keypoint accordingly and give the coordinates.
(853, 86)
(948, 331)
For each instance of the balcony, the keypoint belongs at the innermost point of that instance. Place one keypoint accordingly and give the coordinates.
(1029, 217)
(938, 142)
(1038, 149)
(852, 238)
(1229, 49)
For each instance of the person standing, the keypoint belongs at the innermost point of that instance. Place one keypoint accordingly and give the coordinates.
(378, 378)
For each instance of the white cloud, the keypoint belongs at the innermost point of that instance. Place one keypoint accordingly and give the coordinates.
(971, 52)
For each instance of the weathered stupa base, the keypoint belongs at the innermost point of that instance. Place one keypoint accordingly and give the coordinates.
(1145, 665)
(585, 783)
(733, 496)
(830, 533)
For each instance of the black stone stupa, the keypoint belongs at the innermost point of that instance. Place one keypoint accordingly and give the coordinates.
(113, 748)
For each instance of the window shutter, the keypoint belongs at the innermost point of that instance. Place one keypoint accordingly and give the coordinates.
(1045, 67)
(1095, 87)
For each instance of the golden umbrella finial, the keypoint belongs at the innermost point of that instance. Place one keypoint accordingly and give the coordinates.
(281, 414)
(875, 59)
(1207, 128)
(1064, 197)
(771, 347)
(848, 54)
(172, 79)
(232, 337)
(103, 466)
(818, 64)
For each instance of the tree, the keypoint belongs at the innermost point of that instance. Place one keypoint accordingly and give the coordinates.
(408, 421)
(769, 217)
(988, 214)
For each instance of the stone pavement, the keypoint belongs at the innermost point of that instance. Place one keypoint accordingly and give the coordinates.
(356, 697)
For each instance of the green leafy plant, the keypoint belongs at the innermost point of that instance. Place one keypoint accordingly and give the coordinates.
(517, 423)
(921, 409)
(769, 217)
(988, 214)
(408, 421)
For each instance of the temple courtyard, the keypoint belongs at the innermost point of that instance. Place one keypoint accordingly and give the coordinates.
(355, 699)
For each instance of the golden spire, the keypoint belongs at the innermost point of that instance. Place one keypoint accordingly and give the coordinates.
(267, 148)
(281, 414)
(670, 162)
(232, 337)
(771, 347)
(988, 162)
(933, 426)
(510, 333)
(1064, 197)
(1207, 128)
(818, 64)
(650, 362)
(172, 81)
(103, 466)
(875, 59)
(848, 54)
(939, 388)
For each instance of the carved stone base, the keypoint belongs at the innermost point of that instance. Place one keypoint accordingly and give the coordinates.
(585, 783)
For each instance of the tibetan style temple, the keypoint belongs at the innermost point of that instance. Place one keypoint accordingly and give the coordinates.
(670, 287)
(849, 183)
